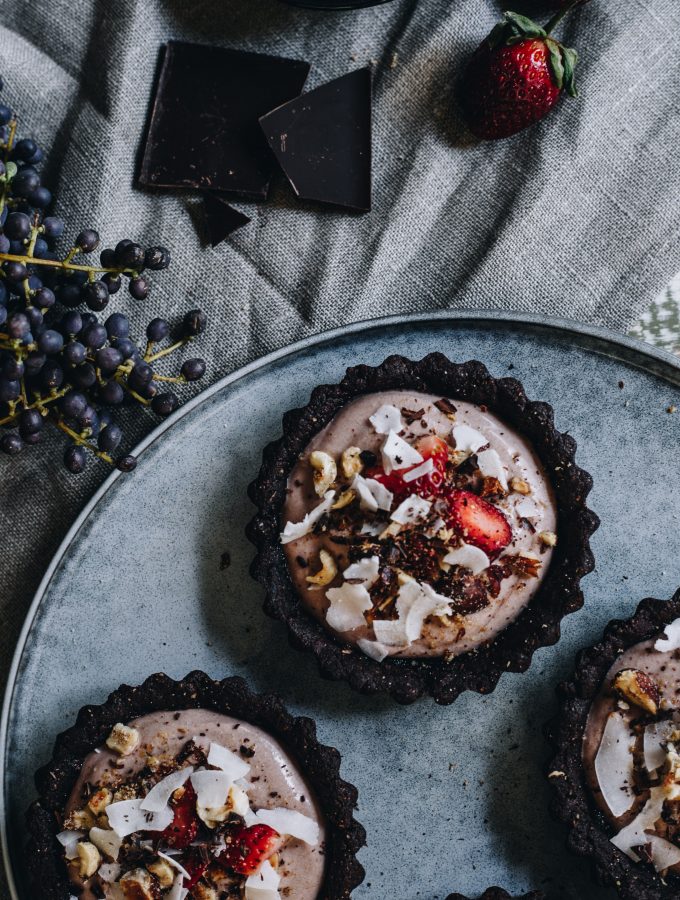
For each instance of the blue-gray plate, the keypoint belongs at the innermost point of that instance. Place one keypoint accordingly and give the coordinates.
(452, 798)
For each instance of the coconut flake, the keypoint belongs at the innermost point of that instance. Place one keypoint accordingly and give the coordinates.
(390, 632)
(107, 841)
(212, 789)
(656, 735)
(349, 602)
(290, 822)
(264, 884)
(672, 640)
(109, 872)
(178, 891)
(159, 795)
(468, 440)
(374, 649)
(175, 864)
(614, 764)
(373, 529)
(526, 508)
(397, 454)
(411, 510)
(635, 834)
(227, 761)
(419, 471)
(469, 557)
(415, 602)
(127, 816)
(69, 840)
(490, 466)
(364, 570)
(386, 419)
(372, 494)
(295, 530)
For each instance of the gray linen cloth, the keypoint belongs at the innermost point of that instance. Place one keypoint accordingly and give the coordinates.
(575, 217)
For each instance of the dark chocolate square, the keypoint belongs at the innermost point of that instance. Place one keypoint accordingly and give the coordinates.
(221, 219)
(322, 141)
(204, 131)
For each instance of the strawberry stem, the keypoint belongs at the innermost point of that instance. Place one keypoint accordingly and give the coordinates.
(560, 14)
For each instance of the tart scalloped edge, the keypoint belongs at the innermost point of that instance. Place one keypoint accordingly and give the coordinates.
(320, 765)
(496, 893)
(539, 623)
(589, 833)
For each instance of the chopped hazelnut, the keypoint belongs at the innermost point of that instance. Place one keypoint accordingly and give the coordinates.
(549, 538)
(344, 499)
(638, 688)
(350, 462)
(204, 892)
(79, 820)
(164, 872)
(90, 859)
(520, 486)
(326, 573)
(325, 471)
(139, 884)
(123, 740)
(99, 801)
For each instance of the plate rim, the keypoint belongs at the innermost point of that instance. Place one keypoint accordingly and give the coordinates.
(458, 317)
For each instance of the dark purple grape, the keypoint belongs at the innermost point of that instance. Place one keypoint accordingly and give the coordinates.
(4, 243)
(164, 404)
(25, 182)
(105, 418)
(71, 323)
(12, 368)
(30, 421)
(34, 362)
(193, 369)
(130, 256)
(88, 318)
(108, 359)
(50, 342)
(5, 114)
(73, 404)
(74, 353)
(117, 326)
(16, 271)
(87, 240)
(25, 149)
(157, 258)
(53, 227)
(9, 390)
(94, 336)
(195, 322)
(110, 438)
(94, 295)
(139, 288)
(126, 347)
(17, 226)
(127, 463)
(11, 443)
(148, 391)
(84, 376)
(3, 314)
(41, 249)
(35, 319)
(157, 330)
(107, 258)
(141, 374)
(111, 282)
(33, 438)
(40, 197)
(112, 393)
(51, 375)
(75, 459)
(18, 326)
(68, 295)
(44, 298)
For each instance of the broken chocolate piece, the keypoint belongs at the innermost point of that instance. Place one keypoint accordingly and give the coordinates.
(322, 141)
(204, 131)
(221, 219)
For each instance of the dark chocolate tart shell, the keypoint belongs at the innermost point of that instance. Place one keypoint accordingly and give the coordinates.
(319, 764)
(537, 626)
(496, 893)
(589, 833)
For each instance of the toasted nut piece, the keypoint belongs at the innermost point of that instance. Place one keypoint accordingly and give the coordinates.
(325, 471)
(392, 530)
(345, 499)
(123, 740)
(274, 860)
(520, 486)
(79, 820)
(163, 872)
(99, 801)
(204, 892)
(90, 859)
(527, 564)
(549, 538)
(351, 462)
(125, 792)
(138, 884)
(327, 572)
(491, 487)
(639, 688)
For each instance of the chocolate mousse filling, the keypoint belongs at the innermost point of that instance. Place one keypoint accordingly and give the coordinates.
(192, 790)
(422, 527)
(616, 774)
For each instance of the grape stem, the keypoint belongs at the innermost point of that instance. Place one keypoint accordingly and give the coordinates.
(175, 379)
(80, 440)
(154, 356)
(61, 264)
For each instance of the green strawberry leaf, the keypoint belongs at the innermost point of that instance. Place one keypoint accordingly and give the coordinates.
(556, 64)
(569, 60)
(524, 27)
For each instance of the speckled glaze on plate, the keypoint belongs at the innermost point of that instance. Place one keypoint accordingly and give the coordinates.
(141, 584)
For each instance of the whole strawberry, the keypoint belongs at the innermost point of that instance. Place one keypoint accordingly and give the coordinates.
(516, 76)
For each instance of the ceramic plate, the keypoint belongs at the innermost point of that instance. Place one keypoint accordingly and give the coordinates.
(154, 577)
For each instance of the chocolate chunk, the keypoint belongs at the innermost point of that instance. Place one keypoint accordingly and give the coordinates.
(445, 406)
(322, 141)
(221, 219)
(204, 129)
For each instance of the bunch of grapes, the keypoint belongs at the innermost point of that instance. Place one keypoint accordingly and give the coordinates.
(60, 366)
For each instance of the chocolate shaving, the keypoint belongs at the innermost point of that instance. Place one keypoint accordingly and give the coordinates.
(411, 415)
(446, 407)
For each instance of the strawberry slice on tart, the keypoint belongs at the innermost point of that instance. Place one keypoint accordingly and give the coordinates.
(479, 522)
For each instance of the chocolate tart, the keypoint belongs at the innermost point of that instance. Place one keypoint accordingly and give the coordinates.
(496, 893)
(450, 393)
(624, 681)
(298, 754)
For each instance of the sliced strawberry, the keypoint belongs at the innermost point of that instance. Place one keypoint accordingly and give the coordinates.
(196, 866)
(184, 827)
(248, 848)
(429, 447)
(479, 522)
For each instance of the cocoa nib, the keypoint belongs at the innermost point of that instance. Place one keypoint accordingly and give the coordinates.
(445, 406)
(410, 415)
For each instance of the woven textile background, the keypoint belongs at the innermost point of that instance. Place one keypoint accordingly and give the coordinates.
(575, 217)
